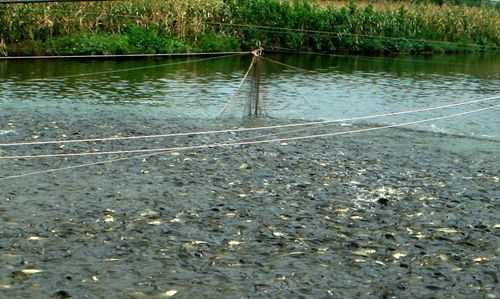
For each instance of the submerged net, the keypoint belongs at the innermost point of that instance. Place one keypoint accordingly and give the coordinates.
(249, 101)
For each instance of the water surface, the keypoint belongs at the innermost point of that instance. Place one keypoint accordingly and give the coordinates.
(340, 87)
(393, 213)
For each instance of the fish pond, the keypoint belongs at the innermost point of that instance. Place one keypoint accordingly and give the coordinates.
(398, 197)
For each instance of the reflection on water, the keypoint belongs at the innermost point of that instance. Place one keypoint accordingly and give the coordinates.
(342, 87)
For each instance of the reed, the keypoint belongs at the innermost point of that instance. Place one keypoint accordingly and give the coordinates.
(386, 27)
(3, 48)
(185, 25)
(44, 21)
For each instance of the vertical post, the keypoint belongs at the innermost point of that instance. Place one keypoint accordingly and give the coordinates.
(257, 53)
(257, 85)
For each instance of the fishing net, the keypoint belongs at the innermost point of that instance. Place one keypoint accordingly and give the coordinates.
(248, 101)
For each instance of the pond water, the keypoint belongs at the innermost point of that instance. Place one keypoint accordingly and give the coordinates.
(341, 87)
(397, 213)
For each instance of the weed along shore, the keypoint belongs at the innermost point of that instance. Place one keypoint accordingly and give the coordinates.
(174, 26)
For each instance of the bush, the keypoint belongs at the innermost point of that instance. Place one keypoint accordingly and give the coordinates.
(149, 40)
(212, 42)
(89, 44)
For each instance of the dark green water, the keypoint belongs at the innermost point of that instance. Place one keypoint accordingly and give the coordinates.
(342, 87)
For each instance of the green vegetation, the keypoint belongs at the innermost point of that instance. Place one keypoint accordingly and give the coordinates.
(172, 26)
(459, 2)
(133, 40)
(368, 28)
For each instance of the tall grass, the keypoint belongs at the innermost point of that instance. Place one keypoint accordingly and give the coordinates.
(391, 28)
(44, 21)
(185, 25)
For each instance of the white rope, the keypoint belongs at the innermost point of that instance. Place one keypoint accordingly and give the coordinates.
(252, 129)
(123, 55)
(141, 67)
(214, 145)
(239, 87)
(137, 157)
(121, 159)
(163, 152)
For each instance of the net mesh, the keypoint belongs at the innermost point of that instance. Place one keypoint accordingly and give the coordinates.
(248, 102)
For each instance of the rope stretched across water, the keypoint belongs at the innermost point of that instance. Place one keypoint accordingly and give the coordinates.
(125, 158)
(142, 67)
(107, 56)
(163, 152)
(251, 129)
(215, 145)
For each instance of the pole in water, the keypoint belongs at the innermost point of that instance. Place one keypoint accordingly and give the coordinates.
(257, 86)
(256, 109)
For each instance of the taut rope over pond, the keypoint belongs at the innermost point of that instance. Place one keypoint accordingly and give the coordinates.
(107, 56)
(110, 161)
(145, 67)
(230, 144)
(250, 129)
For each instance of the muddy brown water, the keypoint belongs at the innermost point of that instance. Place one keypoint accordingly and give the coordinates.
(399, 213)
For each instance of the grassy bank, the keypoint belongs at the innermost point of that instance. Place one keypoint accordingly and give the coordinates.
(166, 26)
